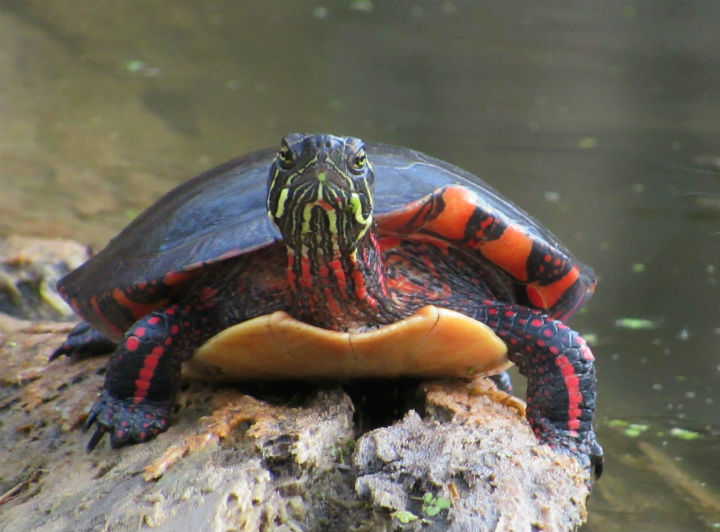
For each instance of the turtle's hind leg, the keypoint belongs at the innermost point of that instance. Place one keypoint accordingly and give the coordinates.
(84, 342)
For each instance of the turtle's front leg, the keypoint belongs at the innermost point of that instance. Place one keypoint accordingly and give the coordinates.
(143, 376)
(561, 378)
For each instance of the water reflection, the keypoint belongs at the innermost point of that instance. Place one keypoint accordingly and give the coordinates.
(599, 118)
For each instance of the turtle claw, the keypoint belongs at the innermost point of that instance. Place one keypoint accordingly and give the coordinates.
(597, 460)
(583, 446)
(95, 439)
(125, 421)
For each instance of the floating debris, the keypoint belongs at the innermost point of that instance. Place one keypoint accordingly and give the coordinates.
(684, 434)
(552, 196)
(631, 430)
(637, 323)
(638, 267)
(587, 143)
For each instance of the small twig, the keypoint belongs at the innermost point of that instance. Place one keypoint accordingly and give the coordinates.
(15, 490)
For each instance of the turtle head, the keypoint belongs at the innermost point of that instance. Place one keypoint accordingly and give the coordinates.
(320, 193)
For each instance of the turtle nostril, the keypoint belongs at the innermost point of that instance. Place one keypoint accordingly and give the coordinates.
(328, 144)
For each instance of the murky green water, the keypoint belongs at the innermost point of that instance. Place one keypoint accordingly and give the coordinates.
(601, 118)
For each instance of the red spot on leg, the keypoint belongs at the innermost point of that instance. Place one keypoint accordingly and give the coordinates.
(132, 343)
(146, 374)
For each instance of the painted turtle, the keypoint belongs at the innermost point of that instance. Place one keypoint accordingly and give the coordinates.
(340, 236)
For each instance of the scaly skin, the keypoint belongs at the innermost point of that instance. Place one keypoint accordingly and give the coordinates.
(143, 376)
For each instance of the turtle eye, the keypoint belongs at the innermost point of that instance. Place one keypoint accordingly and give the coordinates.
(285, 156)
(358, 161)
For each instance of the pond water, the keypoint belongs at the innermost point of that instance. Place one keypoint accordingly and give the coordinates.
(600, 118)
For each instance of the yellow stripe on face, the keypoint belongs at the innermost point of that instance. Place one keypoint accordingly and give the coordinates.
(357, 210)
(282, 200)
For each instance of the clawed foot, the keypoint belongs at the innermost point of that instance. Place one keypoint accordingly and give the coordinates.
(125, 421)
(83, 342)
(584, 447)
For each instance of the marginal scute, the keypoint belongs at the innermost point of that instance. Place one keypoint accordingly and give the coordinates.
(432, 342)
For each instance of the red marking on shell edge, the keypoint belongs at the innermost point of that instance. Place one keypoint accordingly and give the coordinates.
(139, 332)
(548, 295)
(137, 309)
(174, 329)
(173, 278)
(99, 313)
(153, 320)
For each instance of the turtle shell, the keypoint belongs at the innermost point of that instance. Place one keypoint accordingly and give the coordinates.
(222, 213)
(432, 342)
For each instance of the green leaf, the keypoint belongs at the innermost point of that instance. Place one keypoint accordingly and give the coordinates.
(434, 505)
(404, 516)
